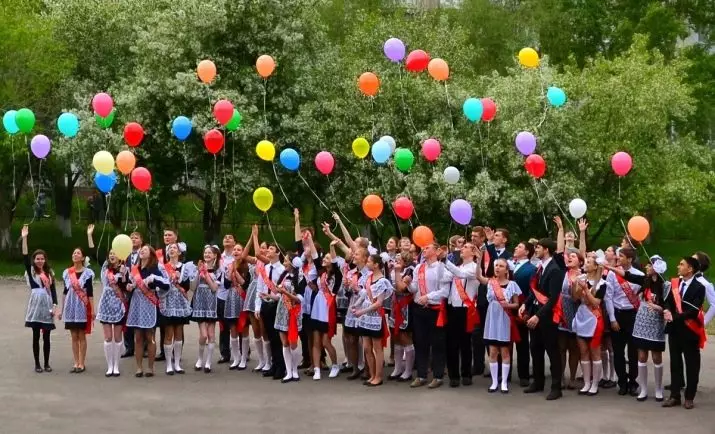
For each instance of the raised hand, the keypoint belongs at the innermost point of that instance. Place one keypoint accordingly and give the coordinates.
(25, 231)
(296, 213)
(558, 222)
(336, 217)
(90, 229)
(582, 225)
(254, 230)
(489, 232)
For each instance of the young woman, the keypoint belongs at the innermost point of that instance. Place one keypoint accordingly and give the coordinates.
(405, 245)
(388, 258)
(174, 307)
(239, 276)
(78, 306)
(401, 277)
(112, 309)
(371, 318)
(500, 329)
(249, 306)
(609, 368)
(356, 277)
(289, 319)
(42, 306)
(567, 338)
(204, 303)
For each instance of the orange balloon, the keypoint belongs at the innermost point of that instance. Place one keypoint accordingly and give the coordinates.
(422, 236)
(369, 84)
(438, 69)
(638, 228)
(265, 66)
(126, 162)
(206, 71)
(372, 206)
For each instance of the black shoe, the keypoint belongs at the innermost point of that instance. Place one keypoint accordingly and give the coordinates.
(623, 390)
(139, 374)
(304, 365)
(279, 375)
(490, 390)
(38, 369)
(108, 374)
(81, 370)
(404, 380)
(223, 360)
(453, 382)
(197, 368)
(269, 373)
(207, 370)
(232, 368)
(466, 381)
(170, 373)
(643, 399)
(523, 382)
(374, 384)
(344, 369)
(533, 388)
(179, 371)
(554, 395)
(73, 370)
(633, 390)
(128, 354)
(393, 377)
(160, 358)
(149, 374)
(609, 384)
(48, 368)
(355, 375)
(286, 380)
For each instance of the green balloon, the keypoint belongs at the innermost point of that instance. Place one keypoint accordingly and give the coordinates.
(25, 120)
(105, 123)
(235, 121)
(404, 159)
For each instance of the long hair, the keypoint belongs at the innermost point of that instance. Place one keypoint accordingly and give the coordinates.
(217, 256)
(45, 268)
(153, 261)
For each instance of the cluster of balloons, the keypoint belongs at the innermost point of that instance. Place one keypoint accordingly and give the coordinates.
(417, 60)
(484, 109)
(104, 111)
(18, 121)
(383, 149)
(105, 179)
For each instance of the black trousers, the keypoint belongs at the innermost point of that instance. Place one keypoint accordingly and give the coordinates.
(268, 314)
(544, 338)
(129, 340)
(622, 338)
(522, 353)
(224, 336)
(684, 346)
(479, 350)
(429, 339)
(459, 344)
(304, 334)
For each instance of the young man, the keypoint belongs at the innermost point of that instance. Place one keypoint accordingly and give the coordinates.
(543, 311)
(131, 261)
(523, 272)
(687, 331)
(224, 339)
(266, 305)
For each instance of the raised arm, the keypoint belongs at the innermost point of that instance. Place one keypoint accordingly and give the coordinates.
(582, 228)
(326, 230)
(346, 233)
(24, 233)
(256, 245)
(560, 239)
(296, 219)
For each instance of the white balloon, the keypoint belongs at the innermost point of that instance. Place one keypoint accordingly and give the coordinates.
(577, 208)
(451, 175)
(390, 141)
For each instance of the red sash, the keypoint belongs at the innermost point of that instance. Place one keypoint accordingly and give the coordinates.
(542, 298)
(142, 286)
(472, 312)
(399, 303)
(118, 292)
(499, 294)
(487, 259)
(422, 284)
(243, 315)
(293, 313)
(628, 292)
(174, 279)
(332, 306)
(160, 255)
(697, 325)
(261, 271)
(45, 282)
(381, 312)
(79, 292)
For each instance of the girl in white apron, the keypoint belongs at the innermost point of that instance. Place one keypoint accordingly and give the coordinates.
(78, 306)
(239, 276)
(175, 307)
(289, 318)
(204, 302)
(400, 324)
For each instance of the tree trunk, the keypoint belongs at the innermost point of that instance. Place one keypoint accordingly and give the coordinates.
(5, 239)
(7, 214)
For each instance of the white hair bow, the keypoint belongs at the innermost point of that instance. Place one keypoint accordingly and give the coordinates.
(659, 265)
(181, 246)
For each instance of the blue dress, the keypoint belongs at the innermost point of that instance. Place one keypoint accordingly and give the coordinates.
(111, 308)
(75, 311)
(143, 307)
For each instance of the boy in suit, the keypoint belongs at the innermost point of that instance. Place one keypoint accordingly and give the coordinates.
(523, 271)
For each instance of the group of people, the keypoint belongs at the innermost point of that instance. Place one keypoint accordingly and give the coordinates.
(597, 312)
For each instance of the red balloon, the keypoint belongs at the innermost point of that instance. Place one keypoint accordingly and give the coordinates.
(141, 179)
(535, 165)
(223, 111)
(417, 61)
(403, 208)
(490, 109)
(133, 134)
(213, 140)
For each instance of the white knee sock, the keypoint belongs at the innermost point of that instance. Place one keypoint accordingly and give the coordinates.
(118, 347)
(109, 356)
(288, 359)
(597, 375)
(178, 349)
(505, 376)
(209, 354)
(399, 362)
(297, 354)
(494, 369)
(235, 350)
(258, 343)
(168, 350)
(267, 355)
(244, 352)
(586, 368)
(409, 361)
(643, 379)
(200, 361)
(658, 372)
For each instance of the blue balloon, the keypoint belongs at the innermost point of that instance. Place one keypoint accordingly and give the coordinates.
(68, 124)
(8, 121)
(181, 127)
(556, 96)
(290, 159)
(381, 151)
(105, 183)
(473, 109)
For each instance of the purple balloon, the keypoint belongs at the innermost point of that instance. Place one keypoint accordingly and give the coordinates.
(461, 211)
(40, 146)
(526, 143)
(394, 49)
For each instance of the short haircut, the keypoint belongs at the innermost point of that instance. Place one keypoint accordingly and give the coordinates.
(529, 248)
(376, 259)
(704, 261)
(549, 244)
(136, 234)
(504, 232)
(479, 230)
(693, 263)
(628, 252)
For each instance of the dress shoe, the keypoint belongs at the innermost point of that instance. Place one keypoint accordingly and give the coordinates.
(404, 379)
(160, 358)
(38, 369)
(623, 390)
(466, 381)
(128, 354)
(608, 384)
(633, 390)
(554, 395)
(453, 382)
(355, 375)
(671, 402)
(436, 382)
(523, 382)
(344, 369)
(223, 360)
(286, 380)
(369, 384)
(268, 373)
(48, 368)
(533, 388)
(688, 404)
(418, 382)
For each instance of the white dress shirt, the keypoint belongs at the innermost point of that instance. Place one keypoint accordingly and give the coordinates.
(710, 295)
(467, 273)
(615, 297)
(274, 271)
(518, 265)
(226, 261)
(437, 285)
(684, 285)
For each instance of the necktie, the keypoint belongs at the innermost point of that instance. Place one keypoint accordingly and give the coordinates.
(682, 289)
(539, 272)
(270, 272)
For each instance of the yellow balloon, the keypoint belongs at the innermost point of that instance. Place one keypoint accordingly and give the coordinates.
(122, 246)
(266, 150)
(103, 162)
(263, 198)
(528, 57)
(361, 147)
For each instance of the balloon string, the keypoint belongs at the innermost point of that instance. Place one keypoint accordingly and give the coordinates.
(29, 168)
(389, 205)
(451, 220)
(148, 214)
(568, 219)
(449, 105)
(108, 196)
(186, 173)
(79, 209)
(14, 189)
(270, 229)
(265, 116)
(233, 165)
(405, 106)
(275, 174)
(311, 190)
(481, 146)
(541, 206)
(414, 210)
(332, 192)
(372, 118)
(619, 189)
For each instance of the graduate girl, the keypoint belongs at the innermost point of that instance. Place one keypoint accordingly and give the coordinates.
(567, 339)
(356, 277)
(401, 277)
(239, 276)
(250, 306)
(174, 307)
(78, 306)
(289, 319)
(609, 367)
(207, 281)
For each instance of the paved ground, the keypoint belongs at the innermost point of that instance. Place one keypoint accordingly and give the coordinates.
(226, 401)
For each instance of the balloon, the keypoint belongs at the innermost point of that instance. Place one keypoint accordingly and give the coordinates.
(122, 246)
(422, 236)
(438, 69)
(535, 165)
(361, 147)
(369, 84)
(556, 96)
(206, 70)
(529, 58)
(372, 206)
(235, 121)
(25, 120)
(638, 228)
(417, 61)
(403, 208)
(525, 143)
(213, 141)
(265, 66)
(102, 104)
(431, 148)
(105, 183)
(390, 141)
(133, 134)
(68, 124)
(263, 199)
(404, 159)
(461, 211)
(223, 111)
(473, 109)
(324, 162)
(290, 159)
(381, 152)
(103, 162)
(577, 208)
(105, 122)
(125, 162)
(141, 179)
(621, 163)
(266, 150)
(181, 127)
(8, 121)
(489, 111)
(40, 146)
(451, 175)
(394, 49)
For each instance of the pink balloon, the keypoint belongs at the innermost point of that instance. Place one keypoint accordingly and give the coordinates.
(621, 163)
(431, 148)
(102, 104)
(325, 162)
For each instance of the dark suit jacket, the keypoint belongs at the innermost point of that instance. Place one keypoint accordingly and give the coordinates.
(691, 304)
(550, 283)
(523, 276)
(489, 268)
